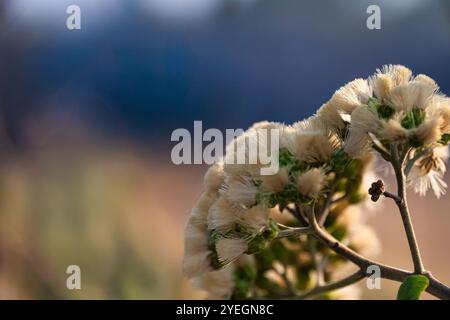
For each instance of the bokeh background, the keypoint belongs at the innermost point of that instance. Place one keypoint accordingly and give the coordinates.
(86, 117)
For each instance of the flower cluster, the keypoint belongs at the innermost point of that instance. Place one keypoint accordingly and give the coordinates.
(234, 244)
(236, 215)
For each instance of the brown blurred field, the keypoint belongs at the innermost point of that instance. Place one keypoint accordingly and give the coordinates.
(119, 212)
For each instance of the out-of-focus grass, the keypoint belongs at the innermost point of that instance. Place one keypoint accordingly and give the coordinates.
(102, 210)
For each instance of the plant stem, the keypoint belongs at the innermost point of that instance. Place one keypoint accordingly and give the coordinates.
(436, 288)
(353, 278)
(283, 274)
(326, 207)
(381, 151)
(294, 232)
(398, 163)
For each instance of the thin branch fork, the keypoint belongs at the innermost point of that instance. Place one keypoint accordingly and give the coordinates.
(398, 165)
(435, 287)
(351, 279)
(315, 229)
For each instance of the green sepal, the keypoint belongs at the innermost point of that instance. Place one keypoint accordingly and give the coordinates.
(385, 112)
(256, 244)
(413, 119)
(445, 139)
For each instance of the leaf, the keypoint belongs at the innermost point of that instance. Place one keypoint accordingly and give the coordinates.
(413, 287)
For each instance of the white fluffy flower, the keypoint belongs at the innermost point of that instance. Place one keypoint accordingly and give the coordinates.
(240, 190)
(386, 78)
(363, 122)
(428, 172)
(229, 249)
(343, 102)
(214, 177)
(255, 218)
(223, 214)
(218, 284)
(196, 250)
(275, 182)
(311, 182)
(311, 141)
(405, 110)
(412, 94)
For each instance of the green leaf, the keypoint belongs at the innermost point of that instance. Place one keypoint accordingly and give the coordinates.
(413, 287)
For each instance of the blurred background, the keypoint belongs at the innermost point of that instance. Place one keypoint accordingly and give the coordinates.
(86, 117)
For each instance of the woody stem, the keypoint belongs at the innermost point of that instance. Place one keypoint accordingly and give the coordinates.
(402, 204)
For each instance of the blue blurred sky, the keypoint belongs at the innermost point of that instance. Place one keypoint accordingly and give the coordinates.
(141, 68)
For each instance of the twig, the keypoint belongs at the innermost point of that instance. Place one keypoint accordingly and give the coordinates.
(327, 205)
(294, 232)
(313, 253)
(435, 287)
(411, 162)
(357, 276)
(384, 153)
(398, 164)
(286, 280)
(394, 197)
(339, 199)
(297, 214)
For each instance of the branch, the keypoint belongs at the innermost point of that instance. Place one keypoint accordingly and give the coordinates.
(417, 156)
(381, 150)
(394, 197)
(357, 276)
(398, 164)
(436, 288)
(296, 212)
(290, 288)
(294, 232)
(327, 206)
